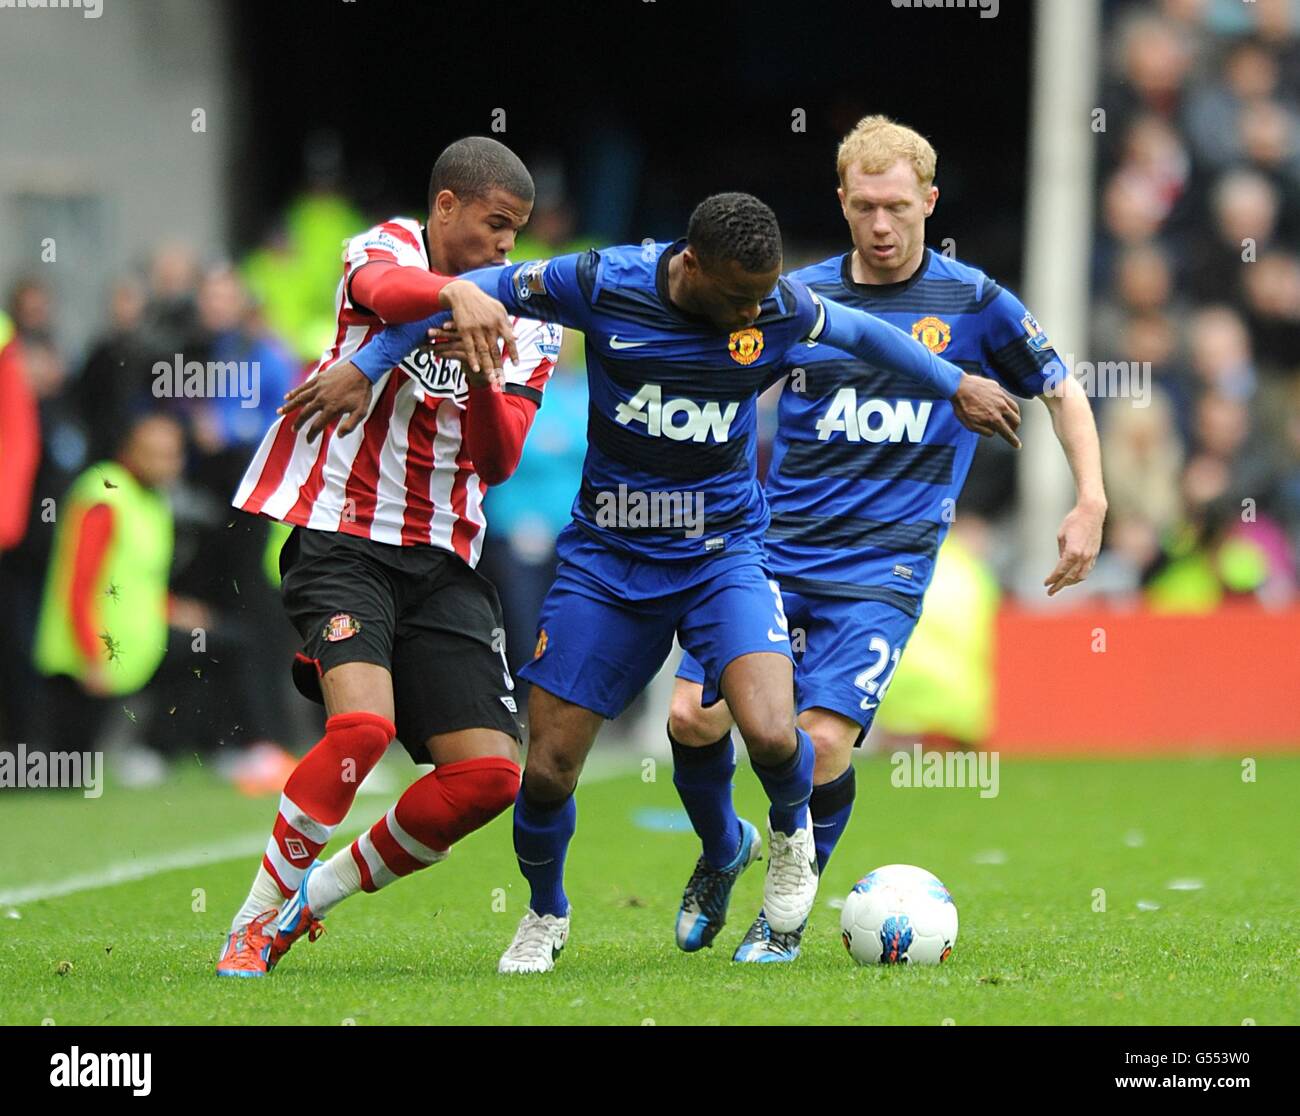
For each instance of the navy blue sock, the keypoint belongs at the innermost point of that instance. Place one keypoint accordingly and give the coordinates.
(542, 835)
(702, 777)
(830, 807)
(789, 785)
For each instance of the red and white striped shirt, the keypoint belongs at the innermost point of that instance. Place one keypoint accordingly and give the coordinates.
(403, 475)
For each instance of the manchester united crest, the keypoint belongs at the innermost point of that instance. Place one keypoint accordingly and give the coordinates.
(745, 345)
(542, 641)
(933, 333)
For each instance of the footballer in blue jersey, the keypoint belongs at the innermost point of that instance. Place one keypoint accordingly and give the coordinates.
(666, 538)
(867, 468)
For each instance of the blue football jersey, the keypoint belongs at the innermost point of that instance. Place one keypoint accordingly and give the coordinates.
(671, 465)
(670, 474)
(867, 465)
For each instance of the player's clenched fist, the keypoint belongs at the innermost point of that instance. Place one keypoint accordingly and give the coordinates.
(482, 325)
(328, 396)
(986, 408)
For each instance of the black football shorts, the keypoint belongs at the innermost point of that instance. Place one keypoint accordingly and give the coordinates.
(419, 611)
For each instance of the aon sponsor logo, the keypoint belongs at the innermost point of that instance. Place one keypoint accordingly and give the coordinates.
(681, 420)
(875, 420)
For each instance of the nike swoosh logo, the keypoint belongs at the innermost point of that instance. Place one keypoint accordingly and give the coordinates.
(777, 637)
(615, 343)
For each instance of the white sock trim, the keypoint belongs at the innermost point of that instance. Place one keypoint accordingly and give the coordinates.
(262, 896)
(333, 882)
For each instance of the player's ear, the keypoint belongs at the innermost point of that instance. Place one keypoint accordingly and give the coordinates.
(931, 199)
(445, 205)
(844, 207)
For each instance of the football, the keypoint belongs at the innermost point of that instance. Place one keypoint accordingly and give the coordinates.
(899, 915)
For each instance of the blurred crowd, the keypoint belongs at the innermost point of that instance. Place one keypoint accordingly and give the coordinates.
(1197, 278)
(65, 422)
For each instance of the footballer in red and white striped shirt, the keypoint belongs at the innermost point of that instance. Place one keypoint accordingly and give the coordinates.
(401, 636)
(402, 476)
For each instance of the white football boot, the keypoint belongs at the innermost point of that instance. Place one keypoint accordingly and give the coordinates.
(537, 944)
(792, 876)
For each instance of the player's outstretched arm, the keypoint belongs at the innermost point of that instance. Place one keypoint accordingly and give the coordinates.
(396, 292)
(482, 324)
(979, 403)
(1079, 538)
(342, 389)
(545, 290)
(482, 300)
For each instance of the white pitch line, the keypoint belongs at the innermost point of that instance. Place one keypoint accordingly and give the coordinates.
(141, 868)
(127, 871)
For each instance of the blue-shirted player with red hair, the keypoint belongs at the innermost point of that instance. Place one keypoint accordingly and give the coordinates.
(864, 478)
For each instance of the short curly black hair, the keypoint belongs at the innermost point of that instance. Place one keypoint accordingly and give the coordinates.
(475, 166)
(736, 227)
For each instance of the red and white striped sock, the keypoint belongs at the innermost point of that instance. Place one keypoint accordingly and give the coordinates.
(316, 798)
(434, 813)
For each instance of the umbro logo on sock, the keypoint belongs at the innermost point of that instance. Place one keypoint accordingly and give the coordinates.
(295, 848)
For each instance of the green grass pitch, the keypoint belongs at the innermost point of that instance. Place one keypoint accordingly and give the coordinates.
(1023, 868)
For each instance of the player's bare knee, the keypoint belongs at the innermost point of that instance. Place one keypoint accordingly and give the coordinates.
(770, 745)
(546, 783)
(832, 740)
(691, 724)
(552, 770)
(832, 760)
